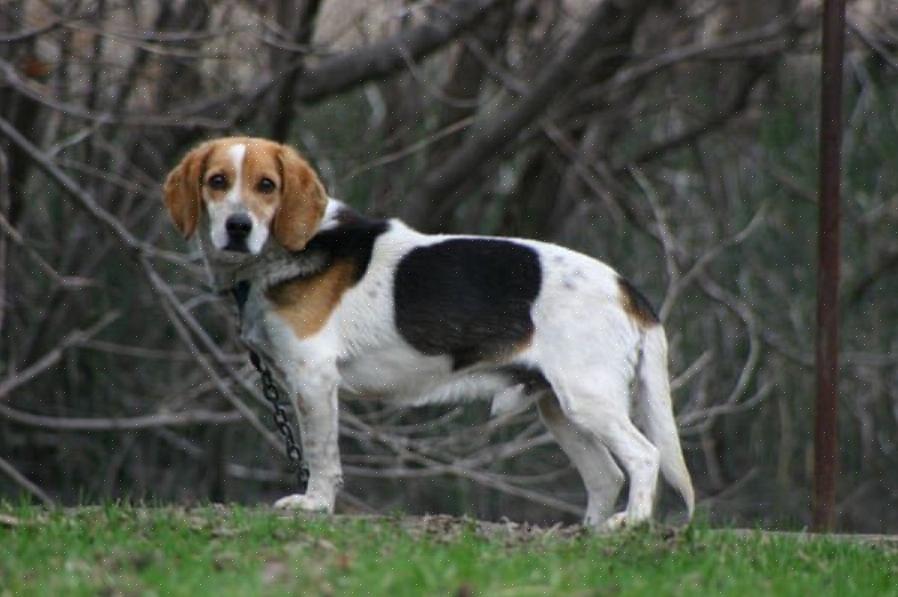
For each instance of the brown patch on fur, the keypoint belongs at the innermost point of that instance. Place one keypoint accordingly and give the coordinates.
(182, 188)
(636, 305)
(307, 303)
(303, 202)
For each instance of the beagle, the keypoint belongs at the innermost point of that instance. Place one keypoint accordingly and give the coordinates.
(340, 303)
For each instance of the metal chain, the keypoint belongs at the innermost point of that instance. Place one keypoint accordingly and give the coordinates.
(270, 390)
(273, 395)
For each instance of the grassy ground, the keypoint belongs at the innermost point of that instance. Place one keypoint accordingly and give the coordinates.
(240, 551)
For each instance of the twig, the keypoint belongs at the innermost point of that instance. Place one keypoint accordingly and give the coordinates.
(139, 352)
(415, 147)
(700, 363)
(171, 307)
(4, 245)
(668, 242)
(139, 251)
(609, 23)
(674, 56)
(588, 174)
(682, 282)
(699, 421)
(83, 198)
(25, 483)
(407, 450)
(151, 42)
(343, 71)
(27, 89)
(873, 44)
(25, 35)
(62, 280)
(19, 378)
(179, 419)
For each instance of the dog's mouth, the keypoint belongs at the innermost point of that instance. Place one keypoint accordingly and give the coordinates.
(235, 246)
(231, 253)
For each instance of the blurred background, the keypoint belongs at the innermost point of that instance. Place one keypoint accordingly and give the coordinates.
(674, 139)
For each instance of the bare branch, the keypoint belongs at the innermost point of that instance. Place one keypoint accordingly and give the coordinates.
(873, 44)
(67, 281)
(383, 160)
(20, 378)
(607, 25)
(27, 34)
(336, 74)
(178, 419)
(28, 90)
(25, 483)
(83, 199)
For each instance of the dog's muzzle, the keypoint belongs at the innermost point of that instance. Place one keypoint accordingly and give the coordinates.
(238, 227)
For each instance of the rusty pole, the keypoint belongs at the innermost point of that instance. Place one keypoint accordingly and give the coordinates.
(825, 445)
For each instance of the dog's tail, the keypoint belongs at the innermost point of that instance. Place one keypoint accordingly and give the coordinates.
(654, 407)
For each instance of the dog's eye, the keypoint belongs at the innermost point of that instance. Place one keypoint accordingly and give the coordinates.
(266, 185)
(217, 182)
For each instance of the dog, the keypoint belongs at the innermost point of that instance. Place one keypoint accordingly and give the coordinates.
(340, 303)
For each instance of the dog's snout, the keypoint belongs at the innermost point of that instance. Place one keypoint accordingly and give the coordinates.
(238, 226)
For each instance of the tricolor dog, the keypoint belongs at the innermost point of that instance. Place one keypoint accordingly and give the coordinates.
(343, 304)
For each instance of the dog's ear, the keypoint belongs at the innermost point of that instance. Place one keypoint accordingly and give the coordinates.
(303, 201)
(182, 189)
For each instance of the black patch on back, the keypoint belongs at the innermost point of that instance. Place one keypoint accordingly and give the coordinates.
(353, 238)
(636, 303)
(467, 298)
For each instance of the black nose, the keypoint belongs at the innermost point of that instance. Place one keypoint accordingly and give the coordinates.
(238, 226)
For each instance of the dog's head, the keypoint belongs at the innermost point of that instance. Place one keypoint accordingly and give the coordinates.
(248, 189)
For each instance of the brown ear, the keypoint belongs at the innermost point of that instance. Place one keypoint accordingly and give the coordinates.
(182, 189)
(303, 201)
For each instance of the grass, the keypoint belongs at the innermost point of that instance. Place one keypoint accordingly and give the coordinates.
(248, 551)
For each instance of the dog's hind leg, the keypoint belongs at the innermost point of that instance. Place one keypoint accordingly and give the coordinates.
(601, 475)
(598, 404)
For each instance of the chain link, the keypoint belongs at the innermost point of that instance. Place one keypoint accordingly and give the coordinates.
(273, 395)
(270, 390)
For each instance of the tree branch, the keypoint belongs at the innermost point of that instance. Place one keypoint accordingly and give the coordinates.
(372, 62)
(607, 25)
(19, 378)
(25, 483)
(174, 419)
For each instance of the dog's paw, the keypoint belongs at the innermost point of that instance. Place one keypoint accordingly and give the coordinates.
(614, 523)
(595, 520)
(624, 520)
(306, 503)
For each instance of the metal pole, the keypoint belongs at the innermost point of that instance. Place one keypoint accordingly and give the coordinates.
(825, 445)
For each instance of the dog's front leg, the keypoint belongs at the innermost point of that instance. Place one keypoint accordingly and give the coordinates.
(314, 397)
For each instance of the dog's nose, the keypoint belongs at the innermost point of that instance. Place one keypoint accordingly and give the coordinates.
(238, 226)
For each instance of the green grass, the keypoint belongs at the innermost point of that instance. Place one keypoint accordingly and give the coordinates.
(241, 551)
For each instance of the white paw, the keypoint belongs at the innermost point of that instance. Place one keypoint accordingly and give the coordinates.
(595, 519)
(307, 503)
(615, 523)
(624, 520)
